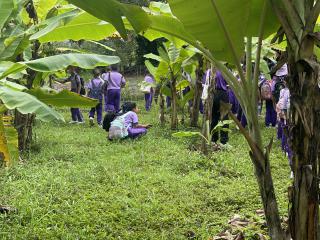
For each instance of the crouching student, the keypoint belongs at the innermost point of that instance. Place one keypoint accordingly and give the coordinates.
(127, 125)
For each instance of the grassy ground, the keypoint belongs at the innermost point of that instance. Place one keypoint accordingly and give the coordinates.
(78, 185)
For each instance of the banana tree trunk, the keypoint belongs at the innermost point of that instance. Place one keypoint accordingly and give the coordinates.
(197, 95)
(305, 136)
(4, 151)
(174, 105)
(206, 120)
(269, 201)
(263, 174)
(24, 125)
(162, 102)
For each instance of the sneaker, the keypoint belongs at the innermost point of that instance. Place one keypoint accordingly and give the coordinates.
(91, 121)
(100, 125)
(73, 122)
(81, 122)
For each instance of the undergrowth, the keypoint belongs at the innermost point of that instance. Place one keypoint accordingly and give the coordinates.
(75, 184)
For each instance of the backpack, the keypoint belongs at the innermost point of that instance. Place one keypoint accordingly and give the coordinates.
(118, 130)
(108, 118)
(277, 89)
(266, 93)
(82, 89)
(96, 91)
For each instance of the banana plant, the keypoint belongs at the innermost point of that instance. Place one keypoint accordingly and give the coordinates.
(15, 40)
(171, 60)
(221, 39)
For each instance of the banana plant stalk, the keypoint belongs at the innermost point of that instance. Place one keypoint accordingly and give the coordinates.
(4, 150)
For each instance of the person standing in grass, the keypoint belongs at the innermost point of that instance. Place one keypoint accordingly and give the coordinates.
(221, 95)
(127, 125)
(115, 81)
(148, 91)
(95, 91)
(75, 80)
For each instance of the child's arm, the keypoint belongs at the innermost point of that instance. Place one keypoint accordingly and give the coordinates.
(142, 125)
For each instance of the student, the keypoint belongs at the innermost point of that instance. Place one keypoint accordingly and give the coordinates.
(127, 125)
(95, 91)
(221, 95)
(187, 89)
(283, 108)
(148, 92)
(115, 81)
(271, 114)
(75, 80)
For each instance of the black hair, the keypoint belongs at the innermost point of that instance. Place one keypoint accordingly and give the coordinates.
(114, 67)
(128, 106)
(96, 72)
(108, 118)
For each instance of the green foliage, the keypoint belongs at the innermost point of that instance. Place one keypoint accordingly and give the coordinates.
(81, 26)
(78, 185)
(25, 103)
(64, 98)
(112, 11)
(59, 62)
(6, 7)
(212, 34)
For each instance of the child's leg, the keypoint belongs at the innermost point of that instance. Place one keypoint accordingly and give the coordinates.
(136, 132)
(110, 106)
(92, 112)
(79, 115)
(117, 100)
(168, 101)
(273, 116)
(268, 112)
(147, 101)
(73, 114)
(99, 113)
(280, 128)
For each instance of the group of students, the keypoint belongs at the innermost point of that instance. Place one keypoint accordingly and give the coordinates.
(106, 85)
(276, 95)
(123, 122)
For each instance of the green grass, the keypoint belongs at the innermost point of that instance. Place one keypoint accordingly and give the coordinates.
(78, 185)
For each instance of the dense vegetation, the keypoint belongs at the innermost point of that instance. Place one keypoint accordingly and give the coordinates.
(77, 185)
(39, 39)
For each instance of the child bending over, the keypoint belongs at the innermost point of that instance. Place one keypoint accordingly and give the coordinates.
(127, 125)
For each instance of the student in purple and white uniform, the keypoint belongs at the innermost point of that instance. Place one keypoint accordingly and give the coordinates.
(75, 80)
(95, 90)
(115, 81)
(131, 122)
(221, 95)
(148, 96)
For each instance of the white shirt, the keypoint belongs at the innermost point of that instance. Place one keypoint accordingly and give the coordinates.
(282, 71)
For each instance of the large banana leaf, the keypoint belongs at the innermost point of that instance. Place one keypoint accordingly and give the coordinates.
(12, 85)
(64, 98)
(83, 26)
(6, 8)
(240, 18)
(43, 6)
(25, 103)
(52, 23)
(55, 63)
(112, 11)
